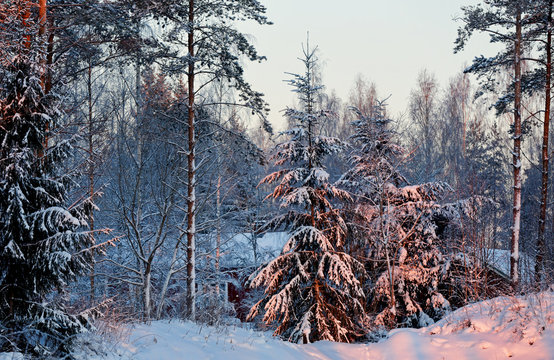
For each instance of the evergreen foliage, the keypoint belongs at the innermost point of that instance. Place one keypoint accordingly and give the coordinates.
(41, 246)
(313, 290)
(395, 227)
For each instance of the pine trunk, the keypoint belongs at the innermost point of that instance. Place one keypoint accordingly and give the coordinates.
(49, 57)
(191, 186)
(26, 15)
(41, 32)
(44, 78)
(541, 248)
(516, 222)
(91, 177)
(42, 17)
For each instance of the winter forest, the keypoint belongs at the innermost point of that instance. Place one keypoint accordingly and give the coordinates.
(151, 208)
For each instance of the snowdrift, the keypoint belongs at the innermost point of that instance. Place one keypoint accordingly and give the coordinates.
(501, 328)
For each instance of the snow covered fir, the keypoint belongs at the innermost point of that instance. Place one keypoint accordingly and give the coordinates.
(154, 206)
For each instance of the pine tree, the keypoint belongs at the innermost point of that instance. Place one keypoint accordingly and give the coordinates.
(41, 247)
(313, 289)
(547, 8)
(504, 21)
(214, 48)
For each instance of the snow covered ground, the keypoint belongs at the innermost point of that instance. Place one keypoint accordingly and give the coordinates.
(501, 328)
(517, 328)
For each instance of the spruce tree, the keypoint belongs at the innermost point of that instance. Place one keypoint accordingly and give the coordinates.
(41, 247)
(396, 227)
(313, 290)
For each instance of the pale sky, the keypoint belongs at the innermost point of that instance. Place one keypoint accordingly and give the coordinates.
(387, 42)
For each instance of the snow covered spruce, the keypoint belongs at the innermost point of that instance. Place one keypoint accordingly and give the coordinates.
(41, 245)
(313, 289)
(395, 228)
(392, 227)
(363, 253)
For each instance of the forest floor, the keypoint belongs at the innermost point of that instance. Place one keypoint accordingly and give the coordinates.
(501, 328)
(505, 327)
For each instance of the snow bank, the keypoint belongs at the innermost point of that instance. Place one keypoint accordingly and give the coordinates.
(501, 328)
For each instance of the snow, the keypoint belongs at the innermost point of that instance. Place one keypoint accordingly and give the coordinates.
(505, 327)
(11, 356)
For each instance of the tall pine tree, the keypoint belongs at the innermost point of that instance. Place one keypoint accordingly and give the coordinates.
(504, 21)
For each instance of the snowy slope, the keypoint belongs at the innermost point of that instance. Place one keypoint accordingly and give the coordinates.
(516, 328)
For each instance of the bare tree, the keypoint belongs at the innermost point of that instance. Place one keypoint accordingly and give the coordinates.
(423, 113)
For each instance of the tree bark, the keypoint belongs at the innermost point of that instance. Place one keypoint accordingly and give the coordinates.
(167, 280)
(49, 57)
(541, 248)
(26, 16)
(91, 176)
(41, 32)
(218, 199)
(516, 222)
(42, 17)
(147, 292)
(191, 185)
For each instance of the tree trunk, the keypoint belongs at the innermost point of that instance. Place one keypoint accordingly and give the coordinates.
(168, 276)
(44, 62)
(49, 57)
(91, 176)
(41, 32)
(516, 222)
(137, 199)
(26, 16)
(147, 292)
(191, 185)
(42, 17)
(541, 248)
(218, 231)
(218, 198)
